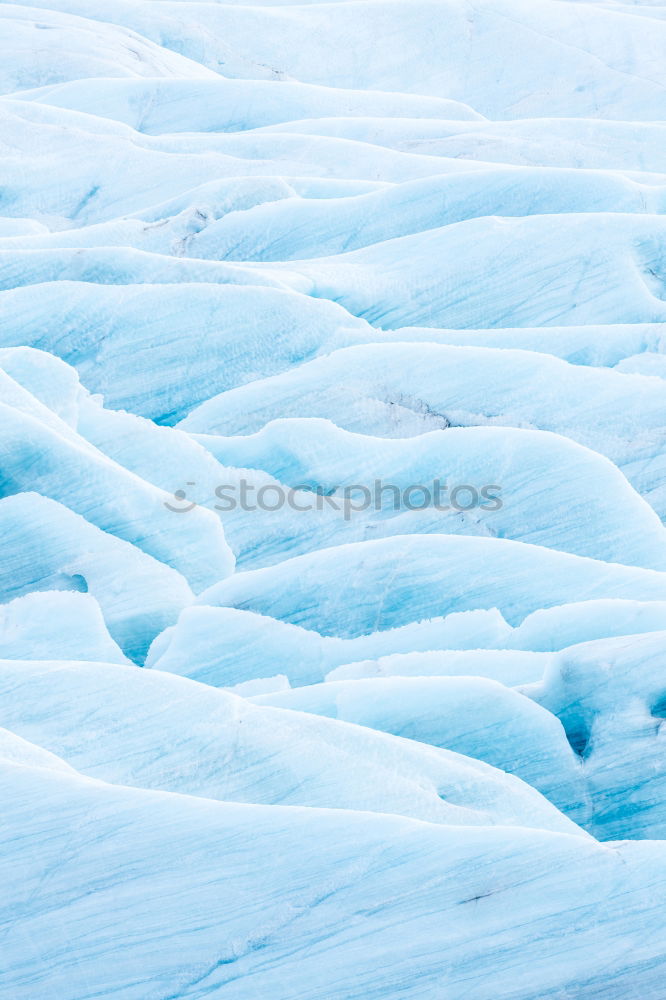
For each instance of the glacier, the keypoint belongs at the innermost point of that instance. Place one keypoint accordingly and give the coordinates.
(276, 721)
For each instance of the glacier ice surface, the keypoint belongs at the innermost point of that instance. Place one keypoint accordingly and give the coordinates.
(337, 754)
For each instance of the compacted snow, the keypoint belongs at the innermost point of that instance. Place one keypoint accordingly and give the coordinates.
(333, 492)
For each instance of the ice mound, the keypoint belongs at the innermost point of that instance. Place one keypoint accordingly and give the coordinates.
(62, 623)
(355, 589)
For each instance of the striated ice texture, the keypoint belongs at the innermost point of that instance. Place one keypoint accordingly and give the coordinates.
(284, 715)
